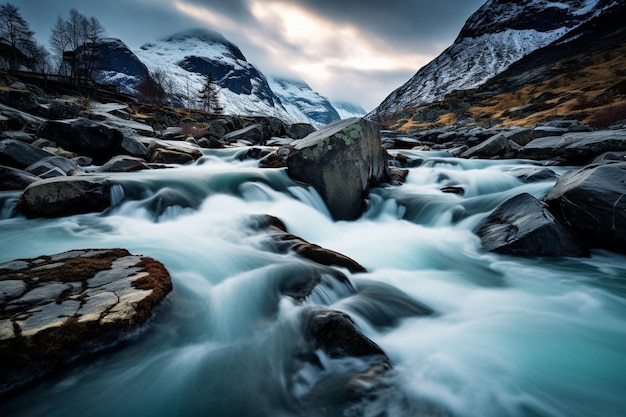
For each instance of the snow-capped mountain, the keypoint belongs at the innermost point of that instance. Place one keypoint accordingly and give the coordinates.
(298, 98)
(187, 57)
(347, 110)
(117, 65)
(498, 34)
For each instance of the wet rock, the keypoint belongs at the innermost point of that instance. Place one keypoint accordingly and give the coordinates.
(299, 130)
(494, 146)
(15, 179)
(133, 147)
(383, 305)
(590, 201)
(64, 196)
(18, 154)
(83, 136)
(255, 134)
(276, 159)
(123, 163)
(534, 174)
(334, 332)
(342, 162)
(575, 148)
(55, 308)
(173, 152)
(524, 226)
(284, 241)
(166, 198)
(67, 166)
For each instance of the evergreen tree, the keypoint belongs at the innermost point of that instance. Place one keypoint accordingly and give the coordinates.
(208, 97)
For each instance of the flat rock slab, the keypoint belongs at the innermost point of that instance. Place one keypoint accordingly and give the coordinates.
(53, 308)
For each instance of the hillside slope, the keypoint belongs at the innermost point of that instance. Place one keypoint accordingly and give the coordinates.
(498, 34)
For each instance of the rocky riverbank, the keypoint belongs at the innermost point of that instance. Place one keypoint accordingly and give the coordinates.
(57, 153)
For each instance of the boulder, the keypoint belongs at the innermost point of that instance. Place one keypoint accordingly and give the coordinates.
(83, 136)
(19, 98)
(256, 134)
(168, 197)
(67, 166)
(18, 154)
(163, 152)
(15, 179)
(283, 241)
(299, 130)
(524, 226)
(590, 201)
(342, 162)
(334, 332)
(534, 174)
(55, 308)
(123, 163)
(63, 196)
(575, 148)
(494, 146)
(133, 147)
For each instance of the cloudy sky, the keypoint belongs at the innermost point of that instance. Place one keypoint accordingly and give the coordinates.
(351, 50)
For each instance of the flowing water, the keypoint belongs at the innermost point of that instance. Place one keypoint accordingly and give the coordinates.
(509, 337)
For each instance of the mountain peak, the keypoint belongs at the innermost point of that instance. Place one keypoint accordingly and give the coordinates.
(202, 34)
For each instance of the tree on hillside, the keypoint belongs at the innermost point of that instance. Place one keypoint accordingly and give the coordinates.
(18, 47)
(208, 97)
(74, 42)
(156, 87)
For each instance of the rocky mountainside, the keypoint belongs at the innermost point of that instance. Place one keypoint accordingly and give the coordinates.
(578, 77)
(186, 57)
(298, 98)
(498, 34)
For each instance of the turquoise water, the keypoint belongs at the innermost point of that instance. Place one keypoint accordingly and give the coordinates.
(510, 337)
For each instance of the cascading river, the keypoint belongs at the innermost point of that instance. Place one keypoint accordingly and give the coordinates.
(509, 336)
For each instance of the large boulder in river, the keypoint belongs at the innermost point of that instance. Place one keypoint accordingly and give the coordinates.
(83, 136)
(341, 161)
(524, 226)
(591, 202)
(54, 308)
(64, 196)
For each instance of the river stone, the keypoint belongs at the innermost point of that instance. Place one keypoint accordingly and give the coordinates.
(124, 163)
(256, 134)
(64, 196)
(524, 226)
(50, 316)
(299, 130)
(172, 152)
(283, 241)
(18, 154)
(67, 166)
(83, 136)
(15, 179)
(341, 161)
(591, 202)
(575, 148)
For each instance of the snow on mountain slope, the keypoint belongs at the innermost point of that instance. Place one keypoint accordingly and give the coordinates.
(498, 34)
(186, 58)
(299, 99)
(347, 110)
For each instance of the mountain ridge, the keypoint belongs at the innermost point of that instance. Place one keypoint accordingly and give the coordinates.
(498, 34)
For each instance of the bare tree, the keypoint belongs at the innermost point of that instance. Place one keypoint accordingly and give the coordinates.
(15, 37)
(156, 87)
(75, 43)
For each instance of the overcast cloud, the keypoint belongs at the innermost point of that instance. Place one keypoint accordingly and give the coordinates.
(351, 50)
